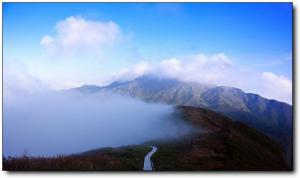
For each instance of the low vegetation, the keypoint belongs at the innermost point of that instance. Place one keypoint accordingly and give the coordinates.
(222, 145)
(130, 158)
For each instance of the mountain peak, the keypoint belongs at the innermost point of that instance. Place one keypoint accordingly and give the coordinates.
(88, 88)
(153, 77)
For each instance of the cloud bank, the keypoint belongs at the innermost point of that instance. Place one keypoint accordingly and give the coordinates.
(40, 122)
(52, 123)
(215, 69)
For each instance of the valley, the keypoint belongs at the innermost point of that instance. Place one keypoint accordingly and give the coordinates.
(218, 143)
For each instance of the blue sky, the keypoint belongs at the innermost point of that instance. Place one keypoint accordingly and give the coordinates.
(253, 36)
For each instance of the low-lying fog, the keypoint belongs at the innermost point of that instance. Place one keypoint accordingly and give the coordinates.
(47, 123)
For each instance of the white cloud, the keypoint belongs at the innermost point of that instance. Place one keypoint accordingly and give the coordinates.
(200, 67)
(138, 69)
(47, 40)
(277, 85)
(215, 69)
(17, 79)
(171, 66)
(141, 68)
(75, 35)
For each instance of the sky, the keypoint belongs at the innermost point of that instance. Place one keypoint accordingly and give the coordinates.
(64, 45)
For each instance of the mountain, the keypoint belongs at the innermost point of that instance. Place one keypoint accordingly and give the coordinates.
(170, 91)
(221, 144)
(273, 118)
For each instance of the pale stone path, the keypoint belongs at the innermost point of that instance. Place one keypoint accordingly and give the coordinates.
(148, 166)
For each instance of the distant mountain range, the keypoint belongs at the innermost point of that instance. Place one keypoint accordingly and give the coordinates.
(273, 118)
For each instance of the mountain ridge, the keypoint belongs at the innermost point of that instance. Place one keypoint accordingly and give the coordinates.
(271, 117)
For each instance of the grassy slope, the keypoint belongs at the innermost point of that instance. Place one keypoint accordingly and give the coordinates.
(130, 158)
(224, 145)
